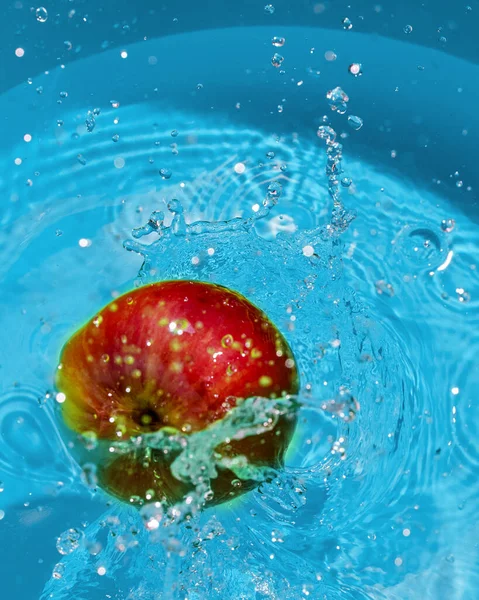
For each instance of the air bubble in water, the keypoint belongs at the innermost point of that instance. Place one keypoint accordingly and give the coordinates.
(407, 29)
(41, 14)
(448, 225)
(270, 155)
(355, 69)
(2, 486)
(39, 89)
(165, 173)
(69, 541)
(116, 137)
(277, 60)
(346, 182)
(278, 41)
(114, 103)
(347, 23)
(338, 100)
(269, 9)
(174, 133)
(355, 122)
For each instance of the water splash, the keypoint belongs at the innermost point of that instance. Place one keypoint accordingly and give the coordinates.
(414, 400)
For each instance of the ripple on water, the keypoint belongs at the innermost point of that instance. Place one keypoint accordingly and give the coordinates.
(31, 445)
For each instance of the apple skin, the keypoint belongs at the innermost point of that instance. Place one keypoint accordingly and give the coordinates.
(174, 354)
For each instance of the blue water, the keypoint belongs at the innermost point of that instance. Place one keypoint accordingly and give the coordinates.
(378, 504)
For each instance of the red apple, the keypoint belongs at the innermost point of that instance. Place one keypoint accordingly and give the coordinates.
(176, 355)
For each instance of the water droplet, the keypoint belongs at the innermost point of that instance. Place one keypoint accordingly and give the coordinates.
(152, 514)
(41, 14)
(383, 287)
(69, 541)
(450, 558)
(89, 440)
(407, 29)
(448, 225)
(355, 122)
(90, 122)
(462, 295)
(275, 189)
(355, 69)
(278, 41)
(89, 476)
(325, 132)
(116, 137)
(277, 60)
(344, 406)
(347, 23)
(419, 247)
(58, 571)
(338, 100)
(269, 9)
(165, 173)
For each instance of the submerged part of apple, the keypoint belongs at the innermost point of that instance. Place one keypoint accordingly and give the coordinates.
(174, 356)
